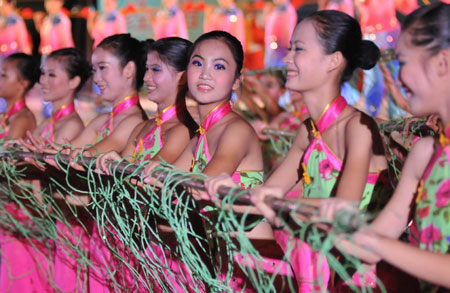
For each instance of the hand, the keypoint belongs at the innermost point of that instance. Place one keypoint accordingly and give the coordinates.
(148, 179)
(258, 198)
(358, 246)
(74, 155)
(367, 238)
(214, 184)
(259, 127)
(103, 161)
(329, 207)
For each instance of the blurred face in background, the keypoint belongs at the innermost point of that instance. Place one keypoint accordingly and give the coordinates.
(53, 6)
(109, 5)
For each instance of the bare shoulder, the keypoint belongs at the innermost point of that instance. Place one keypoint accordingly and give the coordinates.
(240, 126)
(420, 155)
(131, 121)
(361, 124)
(425, 145)
(303, 137)
(25, 118)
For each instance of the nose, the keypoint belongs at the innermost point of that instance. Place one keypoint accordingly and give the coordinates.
(286, 59)
(96, 76)
(42, 79)
(147, 76)
(205, 74)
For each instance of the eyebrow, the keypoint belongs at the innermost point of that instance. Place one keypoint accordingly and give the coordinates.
(217, 59)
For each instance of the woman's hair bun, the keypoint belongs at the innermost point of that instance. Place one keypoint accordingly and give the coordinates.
(369, 54)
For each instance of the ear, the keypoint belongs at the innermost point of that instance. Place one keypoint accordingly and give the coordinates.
(238, 81)
(74, 82)
(336, 61)
(130, 70)
(442, 60)
(24, 83)
(181, 77)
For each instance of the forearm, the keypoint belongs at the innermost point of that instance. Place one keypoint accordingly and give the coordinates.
(426, 265)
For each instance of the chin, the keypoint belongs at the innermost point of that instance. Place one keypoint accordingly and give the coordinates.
(418, 110)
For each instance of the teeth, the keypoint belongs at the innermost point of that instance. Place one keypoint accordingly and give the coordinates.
(204, 86)
(291, 73)
(151, 88)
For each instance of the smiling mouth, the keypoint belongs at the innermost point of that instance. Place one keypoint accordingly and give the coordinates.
(204, 87)
(291, 73)
(151, 88)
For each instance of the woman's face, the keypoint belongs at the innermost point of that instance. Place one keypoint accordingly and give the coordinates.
(211, 72)
(55, 81)
(53, 6)
(11, 82)
(416, 76)
(306, 61)
(161, 80)
(109, 75)
(273, 86)
(109, 5)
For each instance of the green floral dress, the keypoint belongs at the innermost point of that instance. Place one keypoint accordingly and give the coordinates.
(431, 224)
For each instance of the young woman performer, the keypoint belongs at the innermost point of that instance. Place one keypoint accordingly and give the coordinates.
(18, 74)
(118, 63)
(226, 142)
(63, 74)
(165, 136)
(424, 54)
(338, 152)
(24, 265)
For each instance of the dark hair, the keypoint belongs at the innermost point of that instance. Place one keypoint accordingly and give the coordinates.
(233, 44)
(338, 31)
(74, 64)
(173, 51)
(27, 66)
(429, 27)
(127, 49)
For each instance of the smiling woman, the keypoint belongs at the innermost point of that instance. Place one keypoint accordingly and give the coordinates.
(338, 151)
(225, 143)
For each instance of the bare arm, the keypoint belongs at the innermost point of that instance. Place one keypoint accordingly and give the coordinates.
(430, 266)
(358, 142)
(392, 221)
(232, 147)
(115, 141)
(21, 124)
(287, 174)
(175, 143)
(69, 131)
(132, 139)
(184, 161)
(90, 132)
